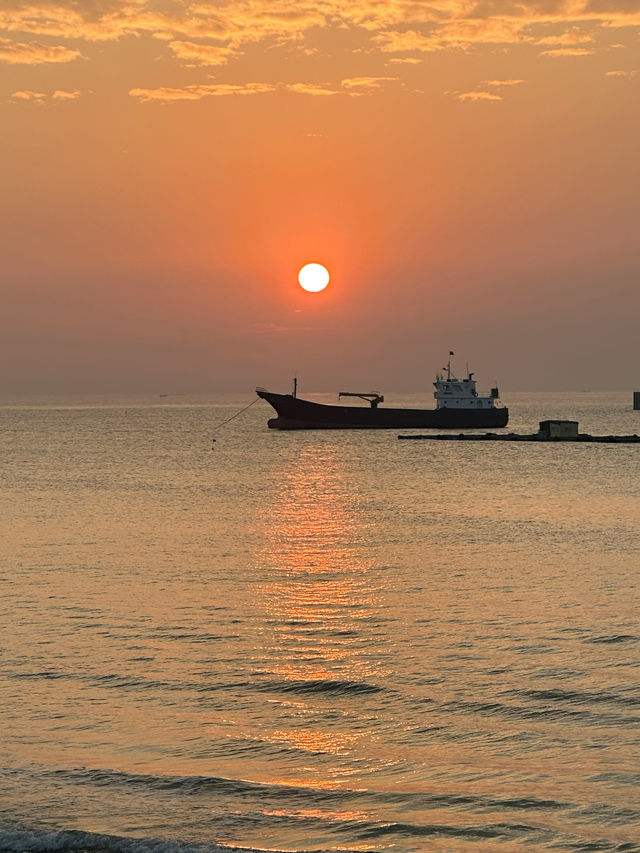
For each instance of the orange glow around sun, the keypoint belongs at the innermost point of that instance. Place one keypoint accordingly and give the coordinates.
(313, 277)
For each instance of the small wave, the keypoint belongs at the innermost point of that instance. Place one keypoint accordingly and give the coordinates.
(114, 680)
(197, 785)
(530, 803)
(332, 687)
(577, 696)
(557, 711)
(617, 778)
(516, 712)
(47, 674)
(614, 638)
(501, 831)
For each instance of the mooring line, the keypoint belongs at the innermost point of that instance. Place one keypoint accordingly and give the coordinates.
(236, 414)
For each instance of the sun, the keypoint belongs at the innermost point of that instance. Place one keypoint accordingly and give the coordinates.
(313, 277)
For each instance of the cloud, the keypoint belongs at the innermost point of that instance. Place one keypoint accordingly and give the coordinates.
(568, 51)
(61, 95)
(502, 82)
(192, 53)
(478, 96)
(42, 97)
(27, 95)
(87, 20)
(570, 37)
(34, 53)
(311, 89)
(405, 60)
(483, 94)
(627, 74)
(216, 32)
(364, 85)
(167, 94)
(348, 86)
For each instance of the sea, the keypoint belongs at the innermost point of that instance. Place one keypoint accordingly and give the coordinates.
(218, 636)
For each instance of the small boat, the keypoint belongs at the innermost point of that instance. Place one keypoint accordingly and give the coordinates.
(458, 406)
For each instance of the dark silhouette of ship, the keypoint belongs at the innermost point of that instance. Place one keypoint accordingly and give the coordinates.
(458, 406)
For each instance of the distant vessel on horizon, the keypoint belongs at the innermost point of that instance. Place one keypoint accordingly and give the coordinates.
(458, 406)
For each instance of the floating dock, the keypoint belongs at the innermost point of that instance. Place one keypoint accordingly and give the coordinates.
(581, 438)
(549, 431)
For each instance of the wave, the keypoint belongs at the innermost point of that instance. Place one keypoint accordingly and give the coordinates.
(114, 680)
(196, 785)
(14, 840)
(546, 712)
(76, 841)
(581, 697)
(614, 638)
(323, 685)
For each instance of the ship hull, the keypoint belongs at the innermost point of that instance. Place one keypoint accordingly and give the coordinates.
(294, 413)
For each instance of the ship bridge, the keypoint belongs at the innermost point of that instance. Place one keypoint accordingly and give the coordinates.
(454, 393)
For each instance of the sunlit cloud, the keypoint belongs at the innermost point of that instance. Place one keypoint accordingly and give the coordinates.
(195, 93)
(61, 95)
(568, 51)
(478, 96)
(167, 94)
(43, 97)
(485, 94)
(627, 74)
(349, 86)
(34, 53)
(214, 33)
(27, 95)
(568, 38)
(502, 82)
(201, 54)
(89, 21)
(311, 89)
(363, 85)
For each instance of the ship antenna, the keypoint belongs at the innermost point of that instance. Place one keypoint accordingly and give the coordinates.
(295, 387)
(449, 366)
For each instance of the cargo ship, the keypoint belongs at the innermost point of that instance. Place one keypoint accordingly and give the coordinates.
(458, 406)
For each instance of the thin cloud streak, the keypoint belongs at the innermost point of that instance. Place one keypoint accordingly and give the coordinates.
(568, 51)
(195, 93)
(35, 53)
(478, 96)
(502, 82)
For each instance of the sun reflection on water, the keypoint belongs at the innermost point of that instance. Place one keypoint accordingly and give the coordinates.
(322, 602)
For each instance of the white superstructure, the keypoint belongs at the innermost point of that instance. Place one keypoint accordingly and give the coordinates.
(454, 393)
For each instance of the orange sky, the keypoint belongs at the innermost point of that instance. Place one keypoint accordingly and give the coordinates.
(468, 171)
